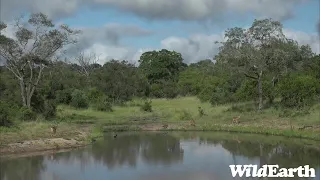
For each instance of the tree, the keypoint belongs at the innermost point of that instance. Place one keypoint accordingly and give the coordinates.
(298, 91)
(37, 40)
(194, 78)
(119, 80)
(259, 50)
(161, 65)
(87, 63)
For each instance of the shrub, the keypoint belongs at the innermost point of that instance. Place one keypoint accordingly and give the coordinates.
(37, 102)
(201, 111)
(4, 115)
(147, 107)
(63, 96)
(185, 115)
(79, 99)
(170, 90)
(249, 107)
(163, 89)
(156, 91)
(50, 109)
(298, 91)
(103, 104)
(94, 94)
(248, 91)
(27, 114)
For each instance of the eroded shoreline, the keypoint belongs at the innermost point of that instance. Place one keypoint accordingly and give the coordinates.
(59, 144)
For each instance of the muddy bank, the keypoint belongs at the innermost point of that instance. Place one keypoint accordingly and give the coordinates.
(30, 147)
(41, 145)
(51, 153)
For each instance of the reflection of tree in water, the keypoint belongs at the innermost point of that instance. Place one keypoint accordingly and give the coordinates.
(83, 157)
(290, 156)
(22, 168)
(116, 152)
(154, 148)
(159, 149)
(281, 154)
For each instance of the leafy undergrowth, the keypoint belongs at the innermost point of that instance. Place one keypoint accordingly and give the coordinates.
(177, 113)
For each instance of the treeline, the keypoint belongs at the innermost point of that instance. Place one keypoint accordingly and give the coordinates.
(257, 64)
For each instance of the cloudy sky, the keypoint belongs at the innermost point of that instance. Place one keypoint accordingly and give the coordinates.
(124, 29)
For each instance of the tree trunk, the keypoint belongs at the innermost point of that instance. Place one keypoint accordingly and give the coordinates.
(22, 92)
(260, 91)
(29, 95)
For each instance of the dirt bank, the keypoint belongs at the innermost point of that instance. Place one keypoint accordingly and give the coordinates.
(40, 145)
(81, 138)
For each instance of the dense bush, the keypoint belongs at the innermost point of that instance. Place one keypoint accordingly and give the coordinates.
(147, 107)
(298, 91)
(103, 104)
(184, 115)
(170, 90)
(164, 89)
(94, 94)
(189, 83)
(5, 119)
(27, 114)
(221, 96)
(37, 102)
(215, 91)
(64, 96)
(79, 99)
(247, 91)
(50, 109)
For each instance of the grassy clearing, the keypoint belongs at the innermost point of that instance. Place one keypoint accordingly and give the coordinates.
(40, 130)
(176, 113)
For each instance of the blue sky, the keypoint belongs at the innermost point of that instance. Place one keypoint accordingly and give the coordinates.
(123, 29)
(305, 20)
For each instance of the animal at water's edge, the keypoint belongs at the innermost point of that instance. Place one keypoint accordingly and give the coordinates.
(115, 135)
(165, 126)
(192, 123)
(236, 120)
(53, 129)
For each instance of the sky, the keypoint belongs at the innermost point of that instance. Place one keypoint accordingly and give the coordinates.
(124, 29)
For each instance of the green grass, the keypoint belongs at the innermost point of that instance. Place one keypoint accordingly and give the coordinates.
(176, 113)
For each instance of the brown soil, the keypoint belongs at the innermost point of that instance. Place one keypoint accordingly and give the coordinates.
(158, 127)
(40, 145)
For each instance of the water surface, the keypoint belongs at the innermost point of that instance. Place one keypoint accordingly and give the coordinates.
(159, 156)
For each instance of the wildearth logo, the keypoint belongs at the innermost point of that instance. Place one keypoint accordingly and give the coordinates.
(271, 171)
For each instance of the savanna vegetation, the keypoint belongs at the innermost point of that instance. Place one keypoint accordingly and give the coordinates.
(270, 81)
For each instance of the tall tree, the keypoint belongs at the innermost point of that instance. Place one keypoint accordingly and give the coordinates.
(36, 42)
(259, 50)
(161, 65)
(119, 80)
(87, 62)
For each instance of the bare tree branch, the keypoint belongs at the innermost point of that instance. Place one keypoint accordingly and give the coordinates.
(35, 43)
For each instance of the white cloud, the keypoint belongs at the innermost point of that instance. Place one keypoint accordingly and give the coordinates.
(151, 9)
(108, 52)
(194, 48)
(106, 42)
(201, 46)
(304, 38)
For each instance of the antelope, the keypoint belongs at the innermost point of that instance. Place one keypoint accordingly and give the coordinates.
(165, 126)
(236, 119)
(192, 123)
(53, 129)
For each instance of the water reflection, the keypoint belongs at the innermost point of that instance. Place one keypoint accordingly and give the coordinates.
(161, 156)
